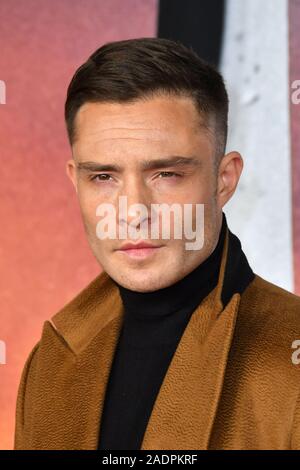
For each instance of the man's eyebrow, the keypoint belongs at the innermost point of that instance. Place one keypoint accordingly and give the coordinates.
(170, 161)
(94, 166)
(145, 165)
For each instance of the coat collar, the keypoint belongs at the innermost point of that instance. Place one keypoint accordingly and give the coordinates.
(191, 388)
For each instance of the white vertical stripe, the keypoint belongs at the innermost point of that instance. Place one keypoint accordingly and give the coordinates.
(255, 68)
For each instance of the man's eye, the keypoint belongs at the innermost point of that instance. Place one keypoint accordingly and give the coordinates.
(100, 177)
(168, 173)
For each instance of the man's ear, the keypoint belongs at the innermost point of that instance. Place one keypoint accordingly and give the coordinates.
(71, 172)
(229, 173)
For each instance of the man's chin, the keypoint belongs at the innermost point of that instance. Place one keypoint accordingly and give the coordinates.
(142, 275)
(139, 280)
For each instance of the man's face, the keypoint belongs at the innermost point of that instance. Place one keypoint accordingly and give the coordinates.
(126, 137)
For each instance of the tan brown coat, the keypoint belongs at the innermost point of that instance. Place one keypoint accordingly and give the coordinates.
(231, 383)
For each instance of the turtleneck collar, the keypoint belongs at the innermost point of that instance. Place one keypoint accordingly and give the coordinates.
(184, 294)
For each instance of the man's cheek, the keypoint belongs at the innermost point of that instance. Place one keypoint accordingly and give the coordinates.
(89, 219)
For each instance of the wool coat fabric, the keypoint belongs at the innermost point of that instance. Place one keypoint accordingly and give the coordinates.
(231, 383)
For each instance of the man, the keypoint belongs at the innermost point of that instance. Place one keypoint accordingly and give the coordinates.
(169, 347)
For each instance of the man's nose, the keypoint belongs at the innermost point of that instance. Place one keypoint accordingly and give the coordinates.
(136, 206)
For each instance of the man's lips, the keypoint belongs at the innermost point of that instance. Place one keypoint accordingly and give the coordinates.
(139, 245)
(139, 250)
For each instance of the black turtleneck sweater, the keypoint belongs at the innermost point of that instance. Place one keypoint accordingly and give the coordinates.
(152, 326)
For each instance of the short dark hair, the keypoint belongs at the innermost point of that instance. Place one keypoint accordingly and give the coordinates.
(141, 68)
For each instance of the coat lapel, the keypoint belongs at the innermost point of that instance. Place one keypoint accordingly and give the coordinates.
(89, 327)
(185, 408)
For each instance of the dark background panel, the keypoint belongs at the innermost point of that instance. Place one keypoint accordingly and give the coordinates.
(196, 23)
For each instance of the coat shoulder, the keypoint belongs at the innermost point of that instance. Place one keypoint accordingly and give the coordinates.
(268, 328)
(268, 302)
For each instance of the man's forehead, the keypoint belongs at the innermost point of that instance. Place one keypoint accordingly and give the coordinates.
(108, 135)
(157, 114)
